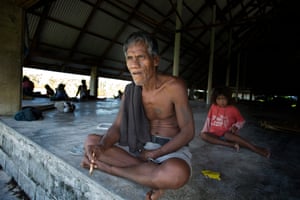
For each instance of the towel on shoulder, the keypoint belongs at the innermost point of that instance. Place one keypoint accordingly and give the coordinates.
(135, 129)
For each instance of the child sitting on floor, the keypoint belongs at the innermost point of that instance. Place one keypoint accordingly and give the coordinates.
(224, 121)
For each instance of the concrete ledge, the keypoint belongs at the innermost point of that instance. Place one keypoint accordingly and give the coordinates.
(41, 174)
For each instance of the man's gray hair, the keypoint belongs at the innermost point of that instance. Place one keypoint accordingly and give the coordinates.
(144, 37)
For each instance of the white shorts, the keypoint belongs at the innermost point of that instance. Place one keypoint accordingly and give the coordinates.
(182, 153)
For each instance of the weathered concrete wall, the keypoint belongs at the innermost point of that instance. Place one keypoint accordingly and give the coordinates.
(41, 174)
(10, 57)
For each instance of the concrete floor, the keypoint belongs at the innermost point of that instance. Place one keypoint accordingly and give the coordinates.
(244, 174)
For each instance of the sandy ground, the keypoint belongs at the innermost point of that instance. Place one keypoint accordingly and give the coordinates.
(244, 175)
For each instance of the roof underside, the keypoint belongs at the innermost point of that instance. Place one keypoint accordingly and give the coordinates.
(256, 39)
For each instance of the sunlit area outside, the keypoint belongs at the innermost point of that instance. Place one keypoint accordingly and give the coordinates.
(106, 87)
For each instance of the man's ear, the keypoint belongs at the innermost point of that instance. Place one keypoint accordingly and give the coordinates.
(156, 60)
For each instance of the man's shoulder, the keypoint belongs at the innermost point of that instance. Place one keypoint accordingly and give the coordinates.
(172, 80)
(129, 86)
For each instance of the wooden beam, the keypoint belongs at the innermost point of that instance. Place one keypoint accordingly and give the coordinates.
(26, 3)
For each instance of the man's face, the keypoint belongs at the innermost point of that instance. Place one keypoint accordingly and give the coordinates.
(140, 63)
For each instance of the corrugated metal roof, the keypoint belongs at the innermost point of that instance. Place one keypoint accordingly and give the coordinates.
(73, 35)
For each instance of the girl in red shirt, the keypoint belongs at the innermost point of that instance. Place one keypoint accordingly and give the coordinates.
(224, 121)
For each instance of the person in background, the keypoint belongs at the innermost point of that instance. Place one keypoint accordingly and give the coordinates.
(224, 121)
(82, 91)
(119, 96)
(148, 141)
(28, 86)
(49, 90)
(60, 93)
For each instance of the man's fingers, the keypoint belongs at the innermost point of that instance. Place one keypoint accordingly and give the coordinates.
(92, 163)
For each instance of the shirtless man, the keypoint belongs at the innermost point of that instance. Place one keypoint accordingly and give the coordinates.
(166, 105)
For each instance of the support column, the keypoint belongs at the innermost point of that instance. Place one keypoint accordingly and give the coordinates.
(94, 82)
(229, 58)
(211, 57)
(237, 76)
(11, 20)
(177, 39)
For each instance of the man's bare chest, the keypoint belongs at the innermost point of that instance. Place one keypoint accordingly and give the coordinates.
(157, 109)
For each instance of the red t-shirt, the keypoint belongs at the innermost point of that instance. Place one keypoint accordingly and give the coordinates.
(222, 119)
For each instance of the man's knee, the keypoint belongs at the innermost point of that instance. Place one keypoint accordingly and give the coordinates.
(92, 139)
(180, 179)
(174, 175)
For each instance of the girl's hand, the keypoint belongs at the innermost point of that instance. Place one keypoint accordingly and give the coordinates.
(234, 130)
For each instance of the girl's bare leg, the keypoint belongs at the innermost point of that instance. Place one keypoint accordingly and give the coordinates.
(239, 140)
(216, 140)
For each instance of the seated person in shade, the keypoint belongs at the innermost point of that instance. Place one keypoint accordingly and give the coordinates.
(49, 90)
(224, 121)
(82, 91)
(28, 86)
(60, 93)
(147, 142)
(119, 96)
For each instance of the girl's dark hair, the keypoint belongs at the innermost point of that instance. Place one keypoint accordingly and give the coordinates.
(225, 91)
(144, 37)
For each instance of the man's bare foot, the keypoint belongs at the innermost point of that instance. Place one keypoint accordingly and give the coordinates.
(237, 147)
(154, 194)
(103, 166)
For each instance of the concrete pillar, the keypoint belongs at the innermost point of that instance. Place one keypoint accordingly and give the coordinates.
(94, 82)
(211, 57)
(237, 83)
(11, 27)
(177, 39)
(229, 58)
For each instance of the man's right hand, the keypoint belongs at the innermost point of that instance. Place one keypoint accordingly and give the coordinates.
(94, 152)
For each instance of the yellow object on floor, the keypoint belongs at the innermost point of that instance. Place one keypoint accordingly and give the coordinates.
(211, 174)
